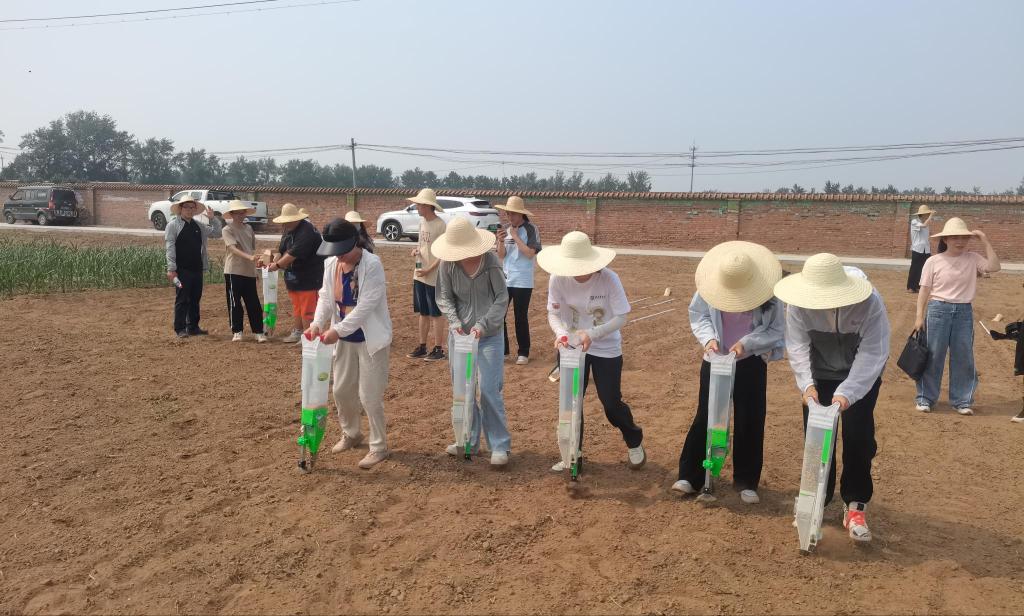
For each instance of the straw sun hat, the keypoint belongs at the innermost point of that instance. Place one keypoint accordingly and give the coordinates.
(354, 217)
(515, 204)
(954, 226)
(822, 285)
(575, 256)
(176, 206)
(238, 206)
(290, 213)
(427, 196)
(461, 240)
(737, 276)
(924, 209)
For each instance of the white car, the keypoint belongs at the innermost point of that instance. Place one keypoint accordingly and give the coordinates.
(395, 225)
(218, 200)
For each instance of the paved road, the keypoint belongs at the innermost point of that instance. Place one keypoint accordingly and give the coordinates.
(687, 254)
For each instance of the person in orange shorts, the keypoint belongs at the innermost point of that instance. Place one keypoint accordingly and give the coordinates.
(303, 268)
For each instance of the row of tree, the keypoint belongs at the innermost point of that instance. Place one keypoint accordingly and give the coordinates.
(85, 146)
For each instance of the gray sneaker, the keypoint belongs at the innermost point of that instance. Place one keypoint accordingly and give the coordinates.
(295, 336)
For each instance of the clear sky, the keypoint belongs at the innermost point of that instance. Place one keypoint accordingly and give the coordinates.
(545, 75)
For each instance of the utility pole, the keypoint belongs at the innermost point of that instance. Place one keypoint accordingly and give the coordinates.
(354, 162)
(693, 159)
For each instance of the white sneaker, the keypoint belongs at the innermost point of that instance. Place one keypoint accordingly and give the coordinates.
(373, 458)
(295, 336)
(965, 411)
(452, 450)
(855, 522)
(261, 338)
(559, 467)
(522, 360)
(683, 487)
(924, 408)
(499, 458)
(1018, 418)
(637, 457)
(749, 497)
(236, 337)
(347, 442)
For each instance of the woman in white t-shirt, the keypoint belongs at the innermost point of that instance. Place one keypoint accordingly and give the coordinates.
(920, 247)
(948, 284)
(586, 300)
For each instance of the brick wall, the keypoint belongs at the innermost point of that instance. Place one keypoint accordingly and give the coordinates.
(848, 225)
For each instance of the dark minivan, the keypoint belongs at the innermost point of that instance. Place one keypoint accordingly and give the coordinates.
(44, 205)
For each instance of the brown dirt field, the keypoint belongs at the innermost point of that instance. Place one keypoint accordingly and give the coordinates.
(140, 474)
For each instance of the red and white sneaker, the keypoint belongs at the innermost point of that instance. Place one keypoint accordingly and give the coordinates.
(853, 521)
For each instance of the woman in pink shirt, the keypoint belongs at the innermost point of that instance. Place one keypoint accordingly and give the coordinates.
(948, 284)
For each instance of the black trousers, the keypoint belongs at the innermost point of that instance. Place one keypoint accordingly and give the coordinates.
(749, 398)
(519, 299)
(917, 260)
(859, 447)
(186, 301)
(608, 380)
(239, 290)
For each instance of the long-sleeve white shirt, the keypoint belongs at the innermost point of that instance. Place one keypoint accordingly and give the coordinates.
(370, 313)
(919, 236)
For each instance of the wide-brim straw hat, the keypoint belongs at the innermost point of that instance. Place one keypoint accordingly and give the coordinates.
(354, 217)
(924, 209)
(291, 213)
(822, 285)
(515, 204)
(461, 240)
(238, 206)
(954, 226)
(575, 256)
(427, 196)
(176, 206)
(737, 276)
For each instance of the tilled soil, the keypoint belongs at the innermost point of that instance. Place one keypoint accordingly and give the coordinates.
(142, 474)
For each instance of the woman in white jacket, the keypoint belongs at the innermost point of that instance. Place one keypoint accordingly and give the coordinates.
(353, 302)
(734, 311)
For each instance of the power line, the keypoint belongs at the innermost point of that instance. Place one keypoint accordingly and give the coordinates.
(186, 16)
(184, 8)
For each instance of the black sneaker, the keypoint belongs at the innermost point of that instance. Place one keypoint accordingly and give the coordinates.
(181, 334)
(421, 351)
(435, 355)
(197, 332)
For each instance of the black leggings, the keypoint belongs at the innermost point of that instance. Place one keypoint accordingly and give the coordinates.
(917, 260)
(519, 299)
(749, 401)
(608, 380)
(186, 301)
(241, 289)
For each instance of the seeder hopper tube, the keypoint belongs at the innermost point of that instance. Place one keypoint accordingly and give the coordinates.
(464, 372)
(570, 407)
(819, 443)
(723, 372)
(269, 300)
(316, 389)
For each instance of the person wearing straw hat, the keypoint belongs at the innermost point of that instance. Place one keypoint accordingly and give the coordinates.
(944, 312)
(352, 311)
(920, 247)
(472, 296)
(424, 278)
(586, 301)
(303, 267)
(365, 241)
(240, 261)
(185, 242)
(735, 311)
(518, 244)
(837, 339)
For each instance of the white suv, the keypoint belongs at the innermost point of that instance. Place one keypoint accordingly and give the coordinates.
(395, 225)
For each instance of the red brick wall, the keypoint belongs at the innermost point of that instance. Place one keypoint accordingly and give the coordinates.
(683, 225)
(124, 208)
(805, 227)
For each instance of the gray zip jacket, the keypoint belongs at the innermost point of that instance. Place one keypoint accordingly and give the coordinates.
(848, 344)
(480, 301)
(175, 226)
(765, 338)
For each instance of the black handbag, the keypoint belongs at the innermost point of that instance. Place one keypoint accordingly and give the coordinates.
(914, 358)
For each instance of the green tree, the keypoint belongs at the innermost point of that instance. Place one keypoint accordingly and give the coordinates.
(153, 162)
(374, 176)
(639, 181)
(306, 172)
(81, 146)
(198, 167)
(832, 188)
(418, 178)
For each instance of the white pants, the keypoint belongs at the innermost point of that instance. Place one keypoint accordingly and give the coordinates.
(359, 383)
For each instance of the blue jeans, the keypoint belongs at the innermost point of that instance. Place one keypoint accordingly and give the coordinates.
(489, 413)
(949, 327)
